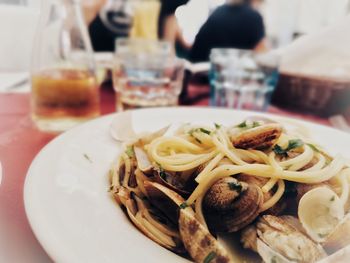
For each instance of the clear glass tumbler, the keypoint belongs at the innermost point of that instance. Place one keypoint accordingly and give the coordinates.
(64, 87)
(237, 80)
(146, 74)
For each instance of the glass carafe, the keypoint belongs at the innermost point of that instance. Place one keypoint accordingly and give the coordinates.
(64, 86)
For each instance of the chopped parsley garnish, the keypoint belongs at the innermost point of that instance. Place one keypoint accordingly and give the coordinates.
(332, 199)
(279, 150)
(242, 125)
(321, 235)
(209, 257)
(313, 147)
(87, 157)
(130, 151)
(235, 187)
(198, 130)
(162, 173)
(204, 131)
(292, 144)
(273, 259)
(183, 205)
(217, 126)
(255, 124)
(245, 125)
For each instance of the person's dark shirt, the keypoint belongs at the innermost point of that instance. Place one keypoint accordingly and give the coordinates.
(229, 26)
(167, 8)
(107, 27)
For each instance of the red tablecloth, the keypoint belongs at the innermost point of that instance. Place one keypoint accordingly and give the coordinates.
(20, 141)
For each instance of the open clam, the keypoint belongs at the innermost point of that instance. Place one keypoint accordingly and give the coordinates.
(171, 180)
(230, 205)
(122, 129)
(160, 231)
(259, 138)
(320, 210)
(260, 182)
(198, 241)
(321, 213)
(143, 162)
(165, 199)
(269, 255)
(276, 238)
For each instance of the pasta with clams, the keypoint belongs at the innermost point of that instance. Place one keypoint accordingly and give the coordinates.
(255, 180)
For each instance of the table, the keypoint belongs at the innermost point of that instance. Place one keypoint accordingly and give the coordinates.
(20, 141)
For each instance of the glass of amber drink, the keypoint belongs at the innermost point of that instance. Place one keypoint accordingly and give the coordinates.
(65, 91)
(63, 97)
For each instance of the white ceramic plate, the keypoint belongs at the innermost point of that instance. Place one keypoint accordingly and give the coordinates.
(66, 196)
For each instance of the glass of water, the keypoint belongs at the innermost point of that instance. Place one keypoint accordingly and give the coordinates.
(146, 74)
(238, 80)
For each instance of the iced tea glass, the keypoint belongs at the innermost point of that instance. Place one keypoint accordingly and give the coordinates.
(63, 75)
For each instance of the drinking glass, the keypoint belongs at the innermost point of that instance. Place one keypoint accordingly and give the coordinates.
(238, 80)
(64, 86)
(146, 74)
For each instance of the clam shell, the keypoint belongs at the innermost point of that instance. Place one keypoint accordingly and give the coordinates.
(143, 162)
(240, 212)
(148, 137)
(122, 128)
(284, 239)
(198, 241)
(319, 211)
(294, 222)
(164, 199)
(339, 238)
(269, 255)
(261, 137)
(171, 181)
(196, 238)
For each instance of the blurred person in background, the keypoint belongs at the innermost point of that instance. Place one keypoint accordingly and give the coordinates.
(168, 27)
(236, 24)
(107, 20)
(151, 19)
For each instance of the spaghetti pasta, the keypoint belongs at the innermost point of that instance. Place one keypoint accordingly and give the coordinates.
(255, 165)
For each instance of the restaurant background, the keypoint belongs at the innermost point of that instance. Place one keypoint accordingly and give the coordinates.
(286, 21)
(283, 20)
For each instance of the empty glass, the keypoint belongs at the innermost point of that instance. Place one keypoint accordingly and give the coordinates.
(239, 81)
(146, 74)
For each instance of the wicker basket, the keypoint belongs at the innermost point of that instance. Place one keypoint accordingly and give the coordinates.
(322, 97)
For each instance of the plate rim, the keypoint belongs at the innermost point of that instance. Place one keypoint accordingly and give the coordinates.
(42, 238)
